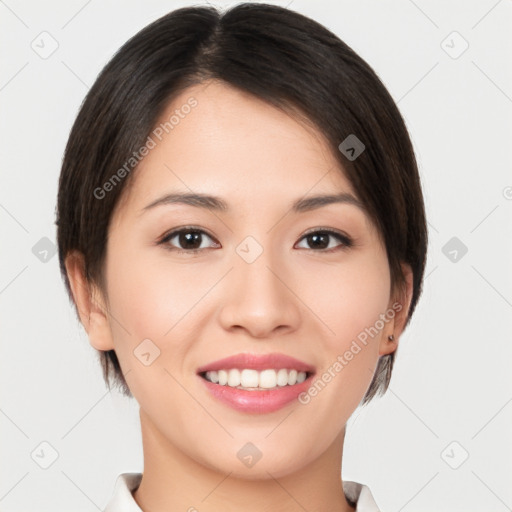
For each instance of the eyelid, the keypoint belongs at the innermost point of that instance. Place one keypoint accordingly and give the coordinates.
(346, 240)
(177, 230)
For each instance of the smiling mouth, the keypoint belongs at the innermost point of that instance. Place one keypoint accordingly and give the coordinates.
(254, 380)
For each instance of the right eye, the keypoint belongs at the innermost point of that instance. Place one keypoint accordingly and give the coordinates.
(189, 238)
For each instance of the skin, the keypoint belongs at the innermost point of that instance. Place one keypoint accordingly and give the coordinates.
(303, 301)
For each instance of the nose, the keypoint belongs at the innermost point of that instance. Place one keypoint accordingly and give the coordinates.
(258, 297)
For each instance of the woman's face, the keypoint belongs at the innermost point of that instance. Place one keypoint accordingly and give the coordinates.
(265, 279)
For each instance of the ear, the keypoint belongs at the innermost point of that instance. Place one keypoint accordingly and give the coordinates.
(399, 304)
(89, 302)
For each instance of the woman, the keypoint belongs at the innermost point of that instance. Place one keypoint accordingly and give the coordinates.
(242, 231)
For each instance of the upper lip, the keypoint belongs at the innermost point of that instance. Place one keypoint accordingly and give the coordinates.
(257, 362)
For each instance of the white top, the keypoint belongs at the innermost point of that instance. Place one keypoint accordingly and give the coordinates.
(122, 500)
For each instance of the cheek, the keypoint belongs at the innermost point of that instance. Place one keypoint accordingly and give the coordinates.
(138, 292)
(350, 298)
(350, 302)
(153, 299)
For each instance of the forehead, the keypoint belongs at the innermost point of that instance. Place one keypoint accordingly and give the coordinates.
(234, 145)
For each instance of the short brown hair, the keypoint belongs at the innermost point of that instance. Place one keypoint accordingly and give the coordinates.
(278, 55)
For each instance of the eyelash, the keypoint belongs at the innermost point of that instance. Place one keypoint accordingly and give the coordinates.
(346, 241)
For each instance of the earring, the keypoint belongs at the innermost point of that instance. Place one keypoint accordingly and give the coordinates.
(391, 337)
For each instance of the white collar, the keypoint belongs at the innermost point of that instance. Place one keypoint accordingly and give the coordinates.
(123, 501)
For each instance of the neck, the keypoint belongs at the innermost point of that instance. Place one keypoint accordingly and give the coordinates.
(174, 481)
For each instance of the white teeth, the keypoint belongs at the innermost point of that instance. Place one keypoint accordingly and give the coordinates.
(301, 377)
(249, 378)
(223, 377)
(282, 377)
(234, 378)
(253, 379)
(268, 379)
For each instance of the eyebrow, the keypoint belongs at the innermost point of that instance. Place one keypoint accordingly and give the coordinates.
(217, 204)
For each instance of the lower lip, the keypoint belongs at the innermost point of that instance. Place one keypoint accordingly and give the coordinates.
(257, 401)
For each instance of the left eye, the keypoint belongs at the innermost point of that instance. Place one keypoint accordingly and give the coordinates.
(319, 239)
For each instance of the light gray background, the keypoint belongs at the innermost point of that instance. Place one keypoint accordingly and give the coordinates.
(452, 377)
